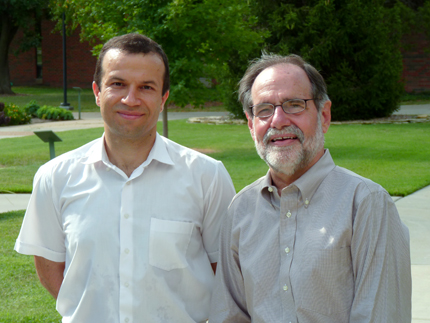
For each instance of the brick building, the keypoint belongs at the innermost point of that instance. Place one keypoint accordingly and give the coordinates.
(416, 63)
(45, 66)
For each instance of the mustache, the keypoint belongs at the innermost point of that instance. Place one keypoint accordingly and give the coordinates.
(284, 131)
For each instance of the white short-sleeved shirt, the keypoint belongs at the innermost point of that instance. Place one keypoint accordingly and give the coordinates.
(138, 248)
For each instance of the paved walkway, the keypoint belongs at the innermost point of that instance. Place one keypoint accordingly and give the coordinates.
(414, 209)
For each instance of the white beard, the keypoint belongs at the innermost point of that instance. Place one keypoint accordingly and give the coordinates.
(288, 160)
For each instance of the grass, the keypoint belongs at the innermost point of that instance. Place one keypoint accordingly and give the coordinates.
(23, 299)
(393, 155)
(416, 98)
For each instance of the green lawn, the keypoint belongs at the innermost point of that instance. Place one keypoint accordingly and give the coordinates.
(393, 155)
(23, 299)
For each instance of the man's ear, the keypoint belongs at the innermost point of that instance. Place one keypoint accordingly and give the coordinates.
(96, 92)
(250, 125)
(164, 99)
(326, 116)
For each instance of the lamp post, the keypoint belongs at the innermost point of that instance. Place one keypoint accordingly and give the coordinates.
(65, 105)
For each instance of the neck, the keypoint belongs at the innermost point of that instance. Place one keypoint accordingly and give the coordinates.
(128, 154)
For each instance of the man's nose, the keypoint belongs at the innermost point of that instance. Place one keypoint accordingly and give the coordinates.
(131, 98)
(280, 119)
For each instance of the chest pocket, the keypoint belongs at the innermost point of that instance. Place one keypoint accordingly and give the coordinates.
(168, 243)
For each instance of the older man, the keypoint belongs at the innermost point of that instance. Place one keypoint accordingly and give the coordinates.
(126, 227)
(310, 242)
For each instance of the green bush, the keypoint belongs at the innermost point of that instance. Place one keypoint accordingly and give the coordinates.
(4, 120)
(54, 113)
(355, 44)
(31, 108)
(16, 114)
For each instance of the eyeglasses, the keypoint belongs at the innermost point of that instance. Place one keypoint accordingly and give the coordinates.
(265, 110)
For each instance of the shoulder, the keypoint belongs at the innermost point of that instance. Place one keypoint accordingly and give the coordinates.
(69, 160)
(345, 185)
(249, 192)
(189, 157)
(353, 180)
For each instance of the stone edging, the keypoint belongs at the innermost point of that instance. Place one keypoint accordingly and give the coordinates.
(395, 119)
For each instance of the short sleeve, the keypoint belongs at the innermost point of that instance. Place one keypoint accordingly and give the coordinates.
(42, 231)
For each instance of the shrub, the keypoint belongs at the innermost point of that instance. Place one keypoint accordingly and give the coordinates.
(16, 114)
(31, 108)
(4, 120)
(354, 43)
(54, 113)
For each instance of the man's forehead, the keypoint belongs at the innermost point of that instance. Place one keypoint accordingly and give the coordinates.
(116, 59)
(281, 75)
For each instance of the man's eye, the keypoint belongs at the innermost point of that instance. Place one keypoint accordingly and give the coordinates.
(263, 109)
(117, 84)
(147, 87)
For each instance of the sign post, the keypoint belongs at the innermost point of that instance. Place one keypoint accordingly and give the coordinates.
(51, 137)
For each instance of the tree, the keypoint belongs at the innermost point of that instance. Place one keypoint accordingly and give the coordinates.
(15, 15)
(354, 43)
(198, 36)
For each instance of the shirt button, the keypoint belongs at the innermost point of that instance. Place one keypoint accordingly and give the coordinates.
(287, 250)
(285, 287)
(126, 320)
(126, 284)
(307, 202)
(270, 189)
(288, 214)
(126, 251)
(126, 216)
(128, 183)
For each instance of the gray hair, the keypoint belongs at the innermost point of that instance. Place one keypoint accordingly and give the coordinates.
(319, 87)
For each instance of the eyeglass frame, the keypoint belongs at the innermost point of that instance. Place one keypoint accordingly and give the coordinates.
(280, 105)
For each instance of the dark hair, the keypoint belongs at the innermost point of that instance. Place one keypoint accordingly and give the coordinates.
(319, 88)
(133, 43)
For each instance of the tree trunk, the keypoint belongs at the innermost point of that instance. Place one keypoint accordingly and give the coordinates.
(7, 32)
(165, 124)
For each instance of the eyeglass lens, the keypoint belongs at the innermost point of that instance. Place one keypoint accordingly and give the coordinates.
(267, 109)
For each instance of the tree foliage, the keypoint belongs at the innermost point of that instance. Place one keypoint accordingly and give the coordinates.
(198, 36)
(15, 15)
(355, 44)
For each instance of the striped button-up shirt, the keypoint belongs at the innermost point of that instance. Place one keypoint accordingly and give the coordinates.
(331, 248)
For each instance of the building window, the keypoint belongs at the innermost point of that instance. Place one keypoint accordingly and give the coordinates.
(39, 63)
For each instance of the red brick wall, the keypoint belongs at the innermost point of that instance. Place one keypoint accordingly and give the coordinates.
(416, 63)
(22, 68)
(80, 61)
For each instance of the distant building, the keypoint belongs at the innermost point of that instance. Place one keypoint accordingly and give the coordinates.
(45, 65)
(416, 63)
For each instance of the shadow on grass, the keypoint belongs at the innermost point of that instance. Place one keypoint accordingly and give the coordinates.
(11, 215)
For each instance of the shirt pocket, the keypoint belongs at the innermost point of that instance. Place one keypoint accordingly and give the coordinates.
(168, 243)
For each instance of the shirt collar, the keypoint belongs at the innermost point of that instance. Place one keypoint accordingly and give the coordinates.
(308, 183)
(158, 152)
